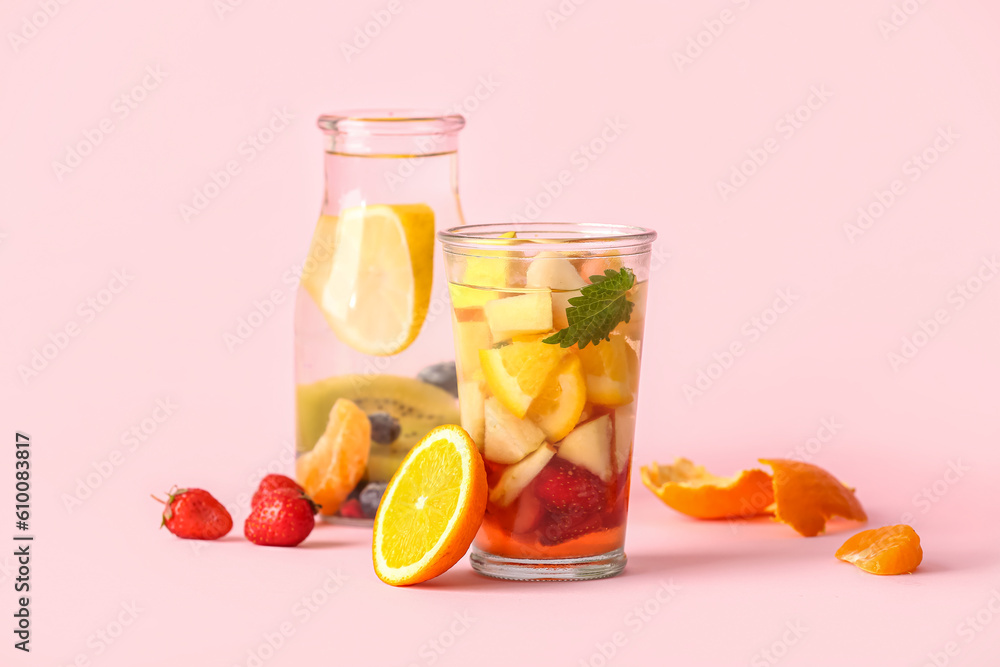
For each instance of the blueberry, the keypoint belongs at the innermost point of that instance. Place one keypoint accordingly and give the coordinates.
(441, 375)
(385, 428)
(370, 498)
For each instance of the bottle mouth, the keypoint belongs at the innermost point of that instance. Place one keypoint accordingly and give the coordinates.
(391, 122)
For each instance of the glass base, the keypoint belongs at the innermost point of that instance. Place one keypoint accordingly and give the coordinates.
(555, 569)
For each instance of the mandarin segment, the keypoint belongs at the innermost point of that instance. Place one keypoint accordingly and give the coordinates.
(806, 496)
(336, 464)
(886, 550)
(692, 490)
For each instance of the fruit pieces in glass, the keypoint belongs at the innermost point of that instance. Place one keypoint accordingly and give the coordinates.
(554, 424)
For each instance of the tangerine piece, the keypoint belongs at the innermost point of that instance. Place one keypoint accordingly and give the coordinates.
(806, 496)
(886, 550)
(331, 469)
(431, 510)
(692, 490)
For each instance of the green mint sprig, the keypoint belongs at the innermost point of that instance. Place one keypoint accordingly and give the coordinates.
(601, 306)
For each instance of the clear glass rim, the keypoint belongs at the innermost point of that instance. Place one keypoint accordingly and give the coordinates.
(551, 236)
(391, 121)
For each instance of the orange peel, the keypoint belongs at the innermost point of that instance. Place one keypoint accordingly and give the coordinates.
(692, 490)
(806, 496)
(886, 550)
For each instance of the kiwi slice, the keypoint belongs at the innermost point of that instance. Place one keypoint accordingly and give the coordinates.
(418, 406)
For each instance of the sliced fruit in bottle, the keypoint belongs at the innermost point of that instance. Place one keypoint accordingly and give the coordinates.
(517, 372)
(529, 313)
(508, 438)
(417, 406)
(379, 285)
(316, 270)
(337, 463)
(611, 369)
(431, 510)
(518, 476)
(589, 446)
(558, 406)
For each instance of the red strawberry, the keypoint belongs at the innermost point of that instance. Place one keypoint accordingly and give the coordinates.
(195, 515)
(281, 518)
(352, 509)
(559, 527)
(272, 482)
(565, 488)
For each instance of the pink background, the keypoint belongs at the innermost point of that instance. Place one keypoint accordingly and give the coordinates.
(551, 86)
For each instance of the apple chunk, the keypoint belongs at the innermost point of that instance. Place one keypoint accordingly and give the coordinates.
(589, 446)
(508, 439)
(529, 313)
(517, 477)
(556, 273)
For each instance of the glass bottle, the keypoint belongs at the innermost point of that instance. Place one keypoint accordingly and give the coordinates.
(372, 316)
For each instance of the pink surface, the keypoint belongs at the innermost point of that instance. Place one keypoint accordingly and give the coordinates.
(535, 89)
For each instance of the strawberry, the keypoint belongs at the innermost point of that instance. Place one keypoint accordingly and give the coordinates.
(281, 518)
(352, 509)
(559, 527)
(569, 489)
(195, 515)
(272, 482)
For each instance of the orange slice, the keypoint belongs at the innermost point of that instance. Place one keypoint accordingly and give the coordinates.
(431, 510)
(888, 550)
(336, 464)
(692, 490)
(806, 496)
(516, 372)
(557, 408)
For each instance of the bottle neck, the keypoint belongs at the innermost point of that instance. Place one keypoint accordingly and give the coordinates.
(363, 144)
(419, 169)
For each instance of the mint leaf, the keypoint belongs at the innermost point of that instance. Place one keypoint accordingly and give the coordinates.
(601, 306)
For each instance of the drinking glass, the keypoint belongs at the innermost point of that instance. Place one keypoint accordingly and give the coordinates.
(548, 324)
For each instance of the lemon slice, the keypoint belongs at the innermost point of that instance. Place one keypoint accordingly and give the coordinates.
(611, 370)
(379, 285)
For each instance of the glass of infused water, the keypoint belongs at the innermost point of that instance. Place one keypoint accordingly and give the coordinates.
(548, 324)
